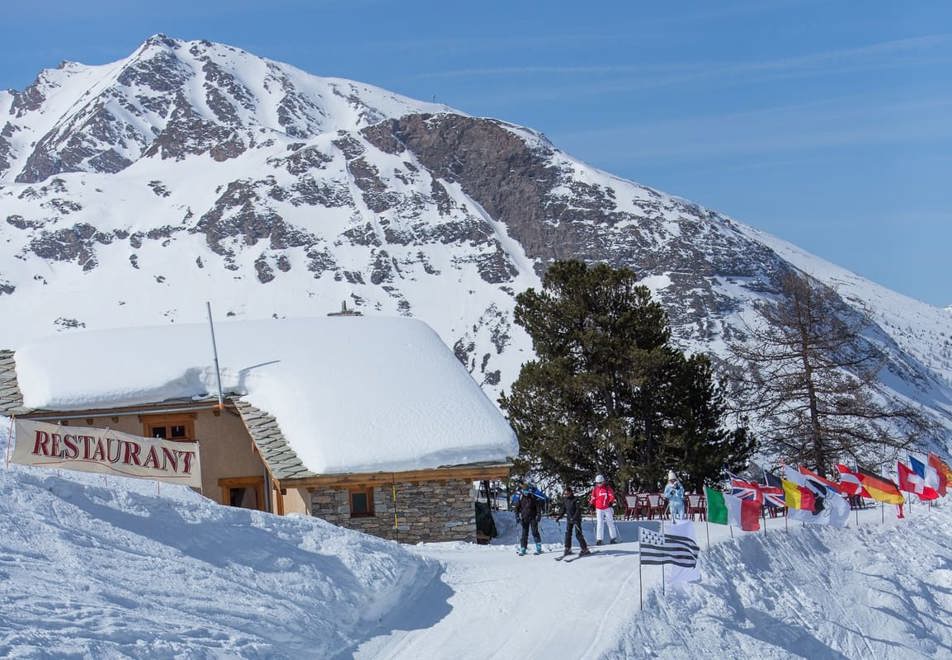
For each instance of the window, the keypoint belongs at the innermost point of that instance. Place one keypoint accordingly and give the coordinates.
(170, 427)
(243, 492)
(362, 502)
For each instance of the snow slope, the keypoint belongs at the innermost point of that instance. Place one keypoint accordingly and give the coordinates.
(133, 192)
(112, 568)
(877, 591)
(109, 567)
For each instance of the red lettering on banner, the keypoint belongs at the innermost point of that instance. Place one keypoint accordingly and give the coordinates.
(109, 443)
(132, 454)
(187, 461)
(152, 458)
(55, 446)
(169, 456)
(72, 451)
(99, 453)
(41, 442)
(86, 440)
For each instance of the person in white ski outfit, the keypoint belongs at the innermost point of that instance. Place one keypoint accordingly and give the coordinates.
(674, 493)
(603, 499)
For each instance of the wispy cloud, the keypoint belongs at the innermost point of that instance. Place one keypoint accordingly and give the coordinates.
(621, 78)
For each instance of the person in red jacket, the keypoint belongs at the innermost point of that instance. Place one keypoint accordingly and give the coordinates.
(603, 499)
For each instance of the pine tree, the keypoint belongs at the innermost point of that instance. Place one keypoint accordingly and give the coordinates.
(607, 392)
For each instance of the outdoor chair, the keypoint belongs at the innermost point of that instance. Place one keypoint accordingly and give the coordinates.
(631, 507)
(656, 506)
(697, 505)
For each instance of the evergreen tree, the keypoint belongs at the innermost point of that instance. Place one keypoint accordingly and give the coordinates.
(607, 393)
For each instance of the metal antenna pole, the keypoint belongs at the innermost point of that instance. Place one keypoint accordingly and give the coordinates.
(211, 326)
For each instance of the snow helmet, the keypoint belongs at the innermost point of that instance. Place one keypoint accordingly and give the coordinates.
(599, 479)
(672, 476)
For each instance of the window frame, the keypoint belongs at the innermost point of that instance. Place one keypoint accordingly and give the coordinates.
(150, 422)
(228, 483)
(368, 491)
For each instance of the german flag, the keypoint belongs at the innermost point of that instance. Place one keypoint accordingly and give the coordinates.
(880, 488)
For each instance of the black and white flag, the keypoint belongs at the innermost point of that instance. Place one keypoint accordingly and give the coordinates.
(676, 548)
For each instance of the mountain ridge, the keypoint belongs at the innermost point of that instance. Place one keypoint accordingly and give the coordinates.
(195, 171)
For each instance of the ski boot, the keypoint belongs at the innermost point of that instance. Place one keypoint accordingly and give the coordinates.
(584, 551)
(521, 551)
(568, 551)
(598, 542)
(614, 540)
(538, 549)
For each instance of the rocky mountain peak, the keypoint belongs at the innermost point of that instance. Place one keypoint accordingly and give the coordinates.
(132, 192)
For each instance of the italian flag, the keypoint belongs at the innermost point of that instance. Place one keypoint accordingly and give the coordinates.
(724, 509)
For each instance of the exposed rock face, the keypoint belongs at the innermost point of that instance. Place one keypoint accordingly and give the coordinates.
(282, 194)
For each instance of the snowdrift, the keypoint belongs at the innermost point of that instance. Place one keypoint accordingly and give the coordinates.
(876, 591)
(109, 567)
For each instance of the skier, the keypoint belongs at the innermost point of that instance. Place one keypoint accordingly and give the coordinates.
(573, 520)
(603, 498)
(674, 493)
(529, 502)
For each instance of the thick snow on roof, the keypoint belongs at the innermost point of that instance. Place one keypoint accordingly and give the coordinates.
(351, 394)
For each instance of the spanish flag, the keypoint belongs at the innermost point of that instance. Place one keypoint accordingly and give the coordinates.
(799, 497)
(880, 488)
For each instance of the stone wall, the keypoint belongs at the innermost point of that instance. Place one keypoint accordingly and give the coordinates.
(426, 511)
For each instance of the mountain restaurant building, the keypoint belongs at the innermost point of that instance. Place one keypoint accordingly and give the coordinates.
(369, 423)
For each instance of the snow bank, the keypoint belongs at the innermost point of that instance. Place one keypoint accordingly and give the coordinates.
(350, 393)
(100, 567)
(876, 591)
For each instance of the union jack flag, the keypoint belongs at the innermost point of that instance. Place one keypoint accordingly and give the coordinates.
(764, 495)
(746, 490)
(773, 491)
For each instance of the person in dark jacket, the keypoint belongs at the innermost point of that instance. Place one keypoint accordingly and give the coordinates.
(529, 510)
(572, 511)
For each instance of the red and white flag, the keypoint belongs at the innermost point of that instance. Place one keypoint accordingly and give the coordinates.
(911, 482)
(850, 483)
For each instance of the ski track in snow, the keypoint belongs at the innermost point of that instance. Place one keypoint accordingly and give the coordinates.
(806, 592)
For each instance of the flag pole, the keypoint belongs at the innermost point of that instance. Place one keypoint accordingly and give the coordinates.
(882, 509)
(707, 528)
(731, 527)
(763, 514)
(641, 598)
(662, 564)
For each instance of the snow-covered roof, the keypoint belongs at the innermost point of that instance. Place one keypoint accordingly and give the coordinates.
(349, 394)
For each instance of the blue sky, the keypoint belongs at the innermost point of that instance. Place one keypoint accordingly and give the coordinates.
(828, 124)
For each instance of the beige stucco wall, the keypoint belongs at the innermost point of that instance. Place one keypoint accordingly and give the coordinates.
(225, 447)
(297, 500)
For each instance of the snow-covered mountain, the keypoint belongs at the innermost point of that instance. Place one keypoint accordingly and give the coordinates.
(132, 192)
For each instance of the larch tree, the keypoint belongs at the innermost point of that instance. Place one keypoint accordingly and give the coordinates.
(808, 377)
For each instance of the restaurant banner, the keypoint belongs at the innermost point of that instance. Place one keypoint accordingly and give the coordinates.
(106, 452)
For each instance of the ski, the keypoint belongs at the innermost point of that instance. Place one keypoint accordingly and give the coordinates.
(571, 558)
